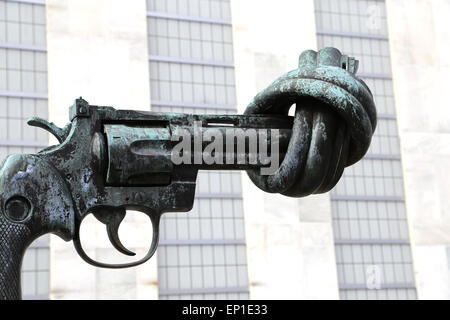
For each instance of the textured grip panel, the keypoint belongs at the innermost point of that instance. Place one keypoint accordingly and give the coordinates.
(14, 239)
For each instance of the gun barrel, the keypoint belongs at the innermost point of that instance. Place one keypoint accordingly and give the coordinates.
(230, 148)
(151, 153)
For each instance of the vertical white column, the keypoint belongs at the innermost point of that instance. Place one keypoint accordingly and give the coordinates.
(290, 241)
(420, 43)
(98, 49)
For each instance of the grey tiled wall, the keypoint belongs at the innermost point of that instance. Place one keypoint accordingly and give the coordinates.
(369, 216)
(202, 253)
(23, 94)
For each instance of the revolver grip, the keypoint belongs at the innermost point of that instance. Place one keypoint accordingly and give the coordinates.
(14, 239)
(29, 208)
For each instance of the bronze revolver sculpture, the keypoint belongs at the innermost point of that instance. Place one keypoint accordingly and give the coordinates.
(111, 160)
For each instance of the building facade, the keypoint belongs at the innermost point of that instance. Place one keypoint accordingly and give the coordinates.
(202, 254)
(23, 94)
(370, 223)
(419, 39)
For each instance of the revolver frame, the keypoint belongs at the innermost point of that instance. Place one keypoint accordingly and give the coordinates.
(117, 160)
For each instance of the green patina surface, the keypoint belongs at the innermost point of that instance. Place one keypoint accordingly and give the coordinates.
(109, 161)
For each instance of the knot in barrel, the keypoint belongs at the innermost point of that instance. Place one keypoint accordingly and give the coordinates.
(334, 121)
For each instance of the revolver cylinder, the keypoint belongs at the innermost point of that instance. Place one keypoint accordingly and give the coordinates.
(138, 156)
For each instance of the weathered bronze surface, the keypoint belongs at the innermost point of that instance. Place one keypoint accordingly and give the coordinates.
(109, 161)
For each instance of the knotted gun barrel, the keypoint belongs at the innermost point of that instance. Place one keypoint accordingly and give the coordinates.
(335, 119)
(109, 161)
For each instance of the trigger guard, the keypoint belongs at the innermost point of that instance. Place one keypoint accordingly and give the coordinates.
(155, 219)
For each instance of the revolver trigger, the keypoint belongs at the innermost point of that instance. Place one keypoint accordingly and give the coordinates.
(60, 133)
(112, 217)
(113, 235)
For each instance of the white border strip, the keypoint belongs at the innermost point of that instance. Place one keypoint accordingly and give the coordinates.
(202, 242)
(382, 286)
(6, 45)
(351, 34)
(171, 16)
(366, 198)
(12, 143)
(166, 292)
(218, 196)
(382, 157)
(372, 241)
(181, 104)
(36, 297)
(191, 61)
(39, 2)
(30, 95)
(374, 76)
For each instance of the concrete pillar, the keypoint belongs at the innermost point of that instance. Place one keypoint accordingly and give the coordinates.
(420, 43)
(289, 241)
(98, 49)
